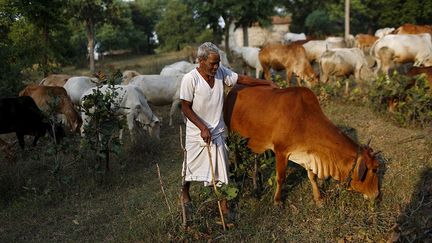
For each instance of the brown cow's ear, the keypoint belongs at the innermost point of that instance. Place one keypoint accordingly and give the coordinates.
(361, 171)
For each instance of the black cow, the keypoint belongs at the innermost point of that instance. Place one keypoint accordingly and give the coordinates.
(22, 116)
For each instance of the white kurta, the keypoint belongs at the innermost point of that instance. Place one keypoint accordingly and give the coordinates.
(207, 103)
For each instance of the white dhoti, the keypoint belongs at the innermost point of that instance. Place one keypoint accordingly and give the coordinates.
(198, 162)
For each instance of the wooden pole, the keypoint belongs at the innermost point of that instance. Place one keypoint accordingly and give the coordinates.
(347, 19)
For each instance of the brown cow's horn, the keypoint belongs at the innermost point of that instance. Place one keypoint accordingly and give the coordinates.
(368, 142)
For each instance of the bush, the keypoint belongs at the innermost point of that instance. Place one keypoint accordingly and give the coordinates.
(409, 101)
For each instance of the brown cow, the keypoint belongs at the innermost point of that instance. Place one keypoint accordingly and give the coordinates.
(292, 58)
(427, 71)
(413, 29)
(291, 123)
(55, 80)
(364, 42)
(48, 96)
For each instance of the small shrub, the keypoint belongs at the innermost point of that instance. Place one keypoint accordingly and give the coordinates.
(411, 100)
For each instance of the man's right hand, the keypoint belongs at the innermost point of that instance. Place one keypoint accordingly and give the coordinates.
(206, 135)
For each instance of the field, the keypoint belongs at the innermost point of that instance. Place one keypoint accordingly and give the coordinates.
(131, 203)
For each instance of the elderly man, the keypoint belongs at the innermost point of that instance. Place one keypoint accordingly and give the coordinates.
(201, 93)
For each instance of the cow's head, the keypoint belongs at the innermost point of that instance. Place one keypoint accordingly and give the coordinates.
(148, 120)
(365, 178)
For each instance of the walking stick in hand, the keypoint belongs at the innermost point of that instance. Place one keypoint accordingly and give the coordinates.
(214, 185)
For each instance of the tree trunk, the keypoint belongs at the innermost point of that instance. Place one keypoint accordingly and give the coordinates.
(90, 44)
(227, 30)
(245, 35)
(45, 67)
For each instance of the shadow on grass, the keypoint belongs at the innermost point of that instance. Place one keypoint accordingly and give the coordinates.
(415, 222)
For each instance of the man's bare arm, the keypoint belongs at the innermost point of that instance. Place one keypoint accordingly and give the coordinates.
(193, 117)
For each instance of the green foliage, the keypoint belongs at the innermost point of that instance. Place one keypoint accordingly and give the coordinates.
(177, 26)
(320, 23)
(105, 121)
(412, 102)
(248, 163)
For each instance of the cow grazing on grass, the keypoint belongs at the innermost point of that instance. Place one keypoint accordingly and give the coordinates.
(291, 123)
(399, 49)
(132, 104)
(291, 58)
(55, 80)
(54, 100)
(342, 62)
(250, 57)
(21, 116)
(160, 90)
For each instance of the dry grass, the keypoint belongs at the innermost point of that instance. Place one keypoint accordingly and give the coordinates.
(127, 205)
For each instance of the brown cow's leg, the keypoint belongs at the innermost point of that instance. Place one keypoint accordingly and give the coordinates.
(281, 164)
(288, 76)
(315, 189)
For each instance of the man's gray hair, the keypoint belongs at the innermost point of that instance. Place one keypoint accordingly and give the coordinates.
(205, 49)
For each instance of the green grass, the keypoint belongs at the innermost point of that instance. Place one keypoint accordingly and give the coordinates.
(127, 205)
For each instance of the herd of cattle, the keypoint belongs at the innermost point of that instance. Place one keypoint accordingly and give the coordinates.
(302, 133)
(364, 56)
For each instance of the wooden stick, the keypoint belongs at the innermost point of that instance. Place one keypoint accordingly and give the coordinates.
(214, 186)
(163, 192)
(184, 217)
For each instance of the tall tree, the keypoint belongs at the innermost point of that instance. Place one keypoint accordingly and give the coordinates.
(177, 26)
(252, 11)
(46, 17)
(94, 13)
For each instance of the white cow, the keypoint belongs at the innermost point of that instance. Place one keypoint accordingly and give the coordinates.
(178, 68)
(128, 75)
(160, 90)
(315, 48)
(250, 57)
(399, 49)
(342, 62)
(133, 105)
(291, 37)
(383, 31)
(76, 86)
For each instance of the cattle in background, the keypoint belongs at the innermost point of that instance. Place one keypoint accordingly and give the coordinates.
(426, 71)
(364, 42)
(55, 80)
(342, 62)
(291, 58)
(292, 37)
(54, 100)
(178, 68)
(315, 48)
(249, 56)
(76, 86)
(127, 75)
(160, 90)
(21, 116)
(393, 50)
(413, 29)
(132, 104)
(291, 123)
(384, 31)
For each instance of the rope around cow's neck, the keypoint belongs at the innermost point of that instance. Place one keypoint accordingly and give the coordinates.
(349, 178)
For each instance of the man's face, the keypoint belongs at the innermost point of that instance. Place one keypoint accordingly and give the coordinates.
(210, 65)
